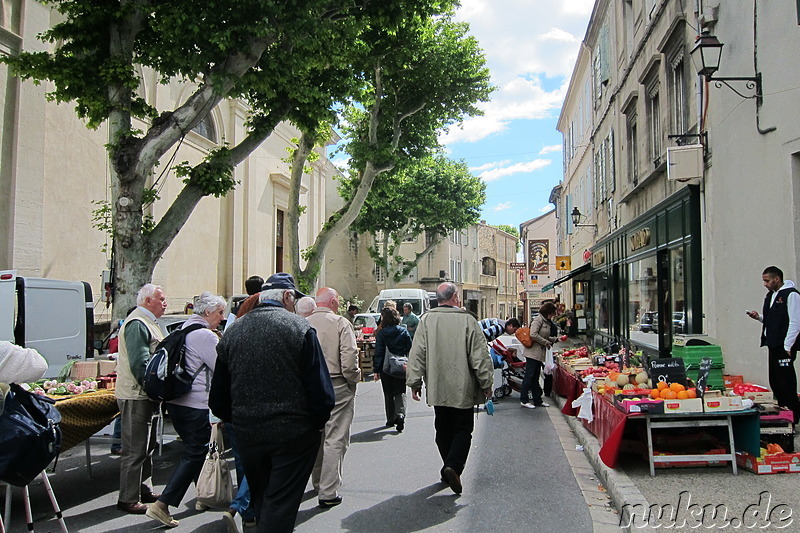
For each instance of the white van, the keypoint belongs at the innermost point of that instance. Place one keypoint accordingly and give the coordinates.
(55, 317)
(418, 298)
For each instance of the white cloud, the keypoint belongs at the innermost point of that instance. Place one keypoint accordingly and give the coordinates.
(546, 208)
(487, 166)
(529, 45)
(550, 149)
(503, 206)
(516, 168)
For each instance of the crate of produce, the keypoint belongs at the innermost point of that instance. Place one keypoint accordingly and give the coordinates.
(84, 369)
(770, 464)
(107, 367)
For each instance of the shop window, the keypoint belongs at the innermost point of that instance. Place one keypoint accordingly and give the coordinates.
(680, 314)
(602, 303)
(643, 302)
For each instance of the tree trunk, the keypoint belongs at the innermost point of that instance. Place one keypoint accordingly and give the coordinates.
(299, 158)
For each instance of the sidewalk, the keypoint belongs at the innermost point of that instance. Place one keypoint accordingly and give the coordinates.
(688, 497)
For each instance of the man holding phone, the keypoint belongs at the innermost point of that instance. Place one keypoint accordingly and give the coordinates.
(781, 324)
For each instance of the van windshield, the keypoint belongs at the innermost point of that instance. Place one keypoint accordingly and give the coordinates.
(416, 304)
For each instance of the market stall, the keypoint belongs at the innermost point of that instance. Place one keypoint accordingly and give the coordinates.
(627, 409)
(84, 415)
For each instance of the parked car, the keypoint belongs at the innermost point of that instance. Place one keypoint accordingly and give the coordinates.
(365, 324)
(679, 322)
(649, 322)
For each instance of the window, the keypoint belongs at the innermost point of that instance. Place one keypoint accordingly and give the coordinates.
(488, 266)
(206, 129)
(654, 116)
(679, 94)
(633, 148)
(501, 285)
(378, 272)
(412, 275)
(455, 237)
(643, 301)
(457, 276)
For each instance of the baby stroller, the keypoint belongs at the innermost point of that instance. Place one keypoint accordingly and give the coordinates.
(513, 371)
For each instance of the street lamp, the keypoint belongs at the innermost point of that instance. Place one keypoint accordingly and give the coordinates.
(706, 56)
(576, 218)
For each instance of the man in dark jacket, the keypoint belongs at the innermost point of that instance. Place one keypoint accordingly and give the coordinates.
(271, 381)
(781, 324)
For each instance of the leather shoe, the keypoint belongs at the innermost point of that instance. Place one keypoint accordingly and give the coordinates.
(453, 479)
(132, 508)
(325, 504)
(150, 497)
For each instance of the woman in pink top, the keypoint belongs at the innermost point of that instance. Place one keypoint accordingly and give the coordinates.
(189, 413)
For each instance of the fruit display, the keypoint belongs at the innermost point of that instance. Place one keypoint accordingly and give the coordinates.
(53, 387)
(740, 389)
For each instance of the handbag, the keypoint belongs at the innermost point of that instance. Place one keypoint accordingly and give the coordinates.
(214, 485)
(394, 365)
(30, 437)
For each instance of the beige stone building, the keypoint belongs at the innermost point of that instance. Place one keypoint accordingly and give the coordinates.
(541, 246)
(476, 259)
(687, 187)
(53, 169)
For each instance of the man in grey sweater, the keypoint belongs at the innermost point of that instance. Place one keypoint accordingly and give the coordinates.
(271, 381)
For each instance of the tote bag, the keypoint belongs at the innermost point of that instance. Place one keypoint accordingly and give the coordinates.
(214, 485)
(394, 365)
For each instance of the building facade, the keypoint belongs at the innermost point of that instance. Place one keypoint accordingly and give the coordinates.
(668, 236)
(541, 247)
(477, 259)
(53, 170)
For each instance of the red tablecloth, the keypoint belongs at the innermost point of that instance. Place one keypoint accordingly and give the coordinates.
(609, 422)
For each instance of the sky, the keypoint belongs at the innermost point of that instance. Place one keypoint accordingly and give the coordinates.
(531, 47)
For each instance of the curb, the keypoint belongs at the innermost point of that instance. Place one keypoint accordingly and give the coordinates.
(623, 492)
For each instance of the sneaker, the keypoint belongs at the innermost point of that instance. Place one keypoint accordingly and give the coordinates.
(156, 513)
(543, 404)
(325, 504)
(401, 423)
(528, 405)
(453, 479)
(230, 521)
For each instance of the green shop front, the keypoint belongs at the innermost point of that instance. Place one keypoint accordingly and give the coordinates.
(646, 277)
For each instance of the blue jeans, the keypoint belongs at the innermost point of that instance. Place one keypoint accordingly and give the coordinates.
(241, 503)
(195, 431)
(530, 383)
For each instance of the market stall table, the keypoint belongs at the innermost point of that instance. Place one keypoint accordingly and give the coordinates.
(609, 422)
(84, 415)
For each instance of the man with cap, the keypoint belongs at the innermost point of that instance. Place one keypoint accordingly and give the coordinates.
(271, 381)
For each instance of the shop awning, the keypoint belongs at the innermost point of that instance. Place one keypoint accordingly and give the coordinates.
(575, 272)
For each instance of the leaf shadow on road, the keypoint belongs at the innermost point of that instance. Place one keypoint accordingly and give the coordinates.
(372, 434)
(406, 513)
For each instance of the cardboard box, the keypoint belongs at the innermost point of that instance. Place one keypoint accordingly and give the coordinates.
(713, 404)
(84, 369)
(770, 464)
(639, 405)
(729, 380)
(691, 405)
(760, 397)
(107, 367)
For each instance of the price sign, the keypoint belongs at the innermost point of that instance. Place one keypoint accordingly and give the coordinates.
(702, 375)
(668, 370)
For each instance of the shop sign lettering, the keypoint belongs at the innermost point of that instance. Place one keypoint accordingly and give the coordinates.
(640, 238)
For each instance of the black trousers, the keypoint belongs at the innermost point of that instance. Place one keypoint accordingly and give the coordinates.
(783, 379)
(453, 435)
(277, 474)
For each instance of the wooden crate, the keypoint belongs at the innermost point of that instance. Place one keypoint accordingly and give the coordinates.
(365, 360)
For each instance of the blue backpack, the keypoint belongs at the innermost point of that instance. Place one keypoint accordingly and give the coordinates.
(166, 377)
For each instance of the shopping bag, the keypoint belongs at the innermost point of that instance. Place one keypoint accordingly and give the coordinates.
(549, 362)
(214, 485)
(394, 364)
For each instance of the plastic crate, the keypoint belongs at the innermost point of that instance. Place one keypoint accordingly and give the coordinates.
(692, 355)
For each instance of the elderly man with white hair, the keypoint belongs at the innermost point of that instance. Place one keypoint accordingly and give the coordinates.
(338, 341)
(138, 339)
(189, 412)
(271, 381)
(305, 306)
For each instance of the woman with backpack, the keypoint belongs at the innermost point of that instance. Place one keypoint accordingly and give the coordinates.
(189, 412)
(391, 338)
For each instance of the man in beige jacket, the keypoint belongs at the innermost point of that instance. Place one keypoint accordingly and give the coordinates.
(138, 338)
(338, 341)
(449, 355)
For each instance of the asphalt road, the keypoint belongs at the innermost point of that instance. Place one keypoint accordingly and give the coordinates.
(518, 477)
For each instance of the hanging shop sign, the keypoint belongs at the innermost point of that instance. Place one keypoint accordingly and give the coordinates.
(517, 265)
(563, 262)
(539, 256)
(599, 258)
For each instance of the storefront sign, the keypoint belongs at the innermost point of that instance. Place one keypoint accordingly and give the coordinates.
(639, 239)
(539, 256)
(563, 262)
(599, 258)
(516, 265)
